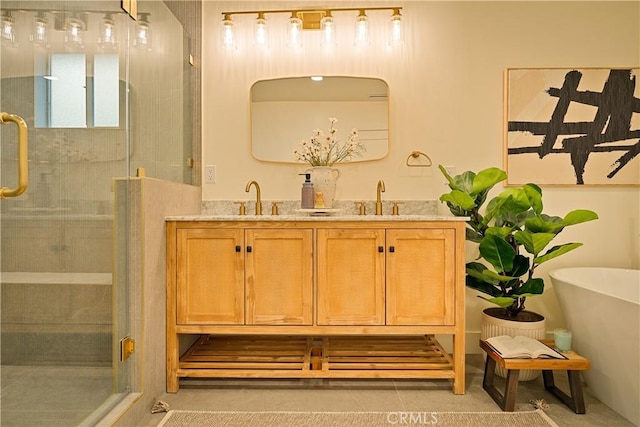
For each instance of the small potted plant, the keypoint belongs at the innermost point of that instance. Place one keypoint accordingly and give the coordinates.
(513, 236)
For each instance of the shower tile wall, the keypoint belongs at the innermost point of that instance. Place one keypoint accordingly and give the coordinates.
(49, 316)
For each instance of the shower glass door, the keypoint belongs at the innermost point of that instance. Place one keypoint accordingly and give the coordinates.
(64, 300)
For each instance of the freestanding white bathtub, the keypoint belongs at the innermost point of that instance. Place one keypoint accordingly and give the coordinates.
(602, 308)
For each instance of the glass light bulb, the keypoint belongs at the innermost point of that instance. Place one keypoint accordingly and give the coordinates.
(295, 31)
(362, 29)
(262, 31)
(40, 35)
(8, 29)
(328, 28)
(108, 36)
(396, 35)
(228, 33)
(74, 33)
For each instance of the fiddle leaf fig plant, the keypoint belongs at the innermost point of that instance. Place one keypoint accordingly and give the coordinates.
(512, 232)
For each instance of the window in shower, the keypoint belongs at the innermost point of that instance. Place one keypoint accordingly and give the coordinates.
(67, 97)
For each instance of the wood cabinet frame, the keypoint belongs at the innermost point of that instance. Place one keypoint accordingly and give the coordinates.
(399, 319)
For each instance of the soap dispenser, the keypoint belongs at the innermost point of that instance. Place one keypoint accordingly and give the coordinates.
(306, 200)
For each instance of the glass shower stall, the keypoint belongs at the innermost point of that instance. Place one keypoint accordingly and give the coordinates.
(86, 91)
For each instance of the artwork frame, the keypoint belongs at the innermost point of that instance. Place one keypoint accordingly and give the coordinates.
(572, 126)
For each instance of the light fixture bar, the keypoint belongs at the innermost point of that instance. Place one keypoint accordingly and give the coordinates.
(311, 17)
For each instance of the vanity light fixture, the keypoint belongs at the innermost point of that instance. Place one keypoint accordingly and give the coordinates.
(108, 38)
(262, 31)
(228, 32)
(295, 30)
(311, 19)
(75, 26)
(397, 33)
(362, 29)
(328, 27)
(143, 37)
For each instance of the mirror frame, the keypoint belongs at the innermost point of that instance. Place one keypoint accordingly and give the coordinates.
(374, 133)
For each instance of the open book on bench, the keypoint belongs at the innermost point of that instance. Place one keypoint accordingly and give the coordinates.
(522, 347)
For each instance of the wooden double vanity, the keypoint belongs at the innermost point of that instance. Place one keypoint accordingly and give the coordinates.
(315, 297)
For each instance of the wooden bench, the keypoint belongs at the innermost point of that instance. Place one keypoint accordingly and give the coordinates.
(573, 364)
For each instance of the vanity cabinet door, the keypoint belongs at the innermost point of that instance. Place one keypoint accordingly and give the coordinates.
(210, 276)
(279, 276)
(351, 277)
(420, 277)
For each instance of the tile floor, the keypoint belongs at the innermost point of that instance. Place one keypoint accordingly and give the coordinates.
(51, 396)
(377, 395)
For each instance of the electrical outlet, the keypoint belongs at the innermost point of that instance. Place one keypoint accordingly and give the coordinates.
(451, 170)
(210, 174)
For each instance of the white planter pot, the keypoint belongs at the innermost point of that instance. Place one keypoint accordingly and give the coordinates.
(493, 326)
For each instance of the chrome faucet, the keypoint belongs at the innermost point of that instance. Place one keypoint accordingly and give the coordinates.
(378, 199)
(258, 202)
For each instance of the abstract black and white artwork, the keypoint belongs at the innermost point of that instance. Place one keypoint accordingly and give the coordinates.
(572, 126)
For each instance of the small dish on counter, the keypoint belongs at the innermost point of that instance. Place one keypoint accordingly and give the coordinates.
(319, 211)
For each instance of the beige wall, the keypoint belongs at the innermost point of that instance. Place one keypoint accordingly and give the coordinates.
(446, 100)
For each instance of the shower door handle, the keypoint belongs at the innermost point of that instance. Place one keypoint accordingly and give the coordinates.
(23, 165)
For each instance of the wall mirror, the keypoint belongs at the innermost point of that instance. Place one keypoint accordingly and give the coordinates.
(285, 111)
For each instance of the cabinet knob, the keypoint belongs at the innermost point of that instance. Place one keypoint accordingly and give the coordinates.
(392, 249)
(238, 248)
(249, 249)
(380, 248)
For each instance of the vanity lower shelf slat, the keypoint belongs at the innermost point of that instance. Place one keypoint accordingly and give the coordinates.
(216, 356)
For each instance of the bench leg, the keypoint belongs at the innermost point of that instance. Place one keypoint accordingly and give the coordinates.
(576, 400)
(506, 401)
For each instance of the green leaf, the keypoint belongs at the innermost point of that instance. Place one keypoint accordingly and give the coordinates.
(534, 243)
(530, 288)
(481, 286)
(534, 194)
(556, 251)
(579, 216)
(472, 235)
(486, 179)
(459, 198)
(502, 232)
(503, 302)
(498, 252)
(544, 224)
(495, 276)
(520, 266)
(517, 200)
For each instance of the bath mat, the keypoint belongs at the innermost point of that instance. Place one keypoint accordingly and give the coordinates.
(355, 419)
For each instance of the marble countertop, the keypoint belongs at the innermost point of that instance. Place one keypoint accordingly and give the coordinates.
(301, 217)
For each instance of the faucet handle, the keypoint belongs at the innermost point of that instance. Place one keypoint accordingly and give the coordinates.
(396, 210)
(242, 209)
(361, 207)
(274, 208)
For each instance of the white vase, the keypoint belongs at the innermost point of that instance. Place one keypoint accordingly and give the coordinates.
(493, 326)
(324, 180)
